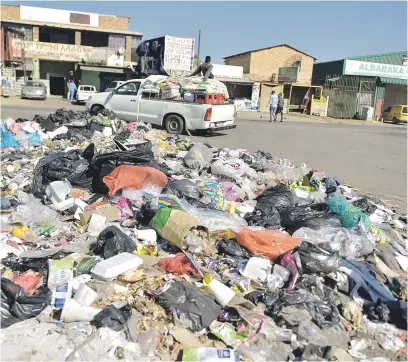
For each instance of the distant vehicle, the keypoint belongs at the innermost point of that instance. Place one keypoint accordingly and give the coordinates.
(85, 92)
(395, 114)
(113, 85)
(34, 90)
(131, 103)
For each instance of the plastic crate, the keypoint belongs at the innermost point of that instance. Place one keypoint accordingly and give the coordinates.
(209, 98)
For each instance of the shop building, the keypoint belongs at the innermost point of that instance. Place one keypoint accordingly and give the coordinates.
(363, 86)
(281, 68)
(54, 45)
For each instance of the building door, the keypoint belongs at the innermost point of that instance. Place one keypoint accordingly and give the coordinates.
(395, 94)
(57, 85)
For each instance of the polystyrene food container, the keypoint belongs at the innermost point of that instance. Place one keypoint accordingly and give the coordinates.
(119, 264)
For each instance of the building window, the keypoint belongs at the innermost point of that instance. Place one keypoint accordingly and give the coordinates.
(136, 40)
(27, 29)
(117, 41)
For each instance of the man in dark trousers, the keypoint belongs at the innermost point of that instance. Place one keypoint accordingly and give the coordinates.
(280, 107)
(205, 69)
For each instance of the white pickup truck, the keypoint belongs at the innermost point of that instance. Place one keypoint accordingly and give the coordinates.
(131, 103)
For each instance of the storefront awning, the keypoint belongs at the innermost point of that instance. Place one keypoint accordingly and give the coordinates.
(102, 69)
(393, 81)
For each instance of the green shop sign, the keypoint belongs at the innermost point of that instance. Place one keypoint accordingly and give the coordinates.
(355, 67)
(288, 74)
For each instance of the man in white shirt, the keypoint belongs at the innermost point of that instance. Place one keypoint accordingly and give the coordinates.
(273, 105)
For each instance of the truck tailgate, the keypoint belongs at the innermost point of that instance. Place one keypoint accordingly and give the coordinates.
(222, 113)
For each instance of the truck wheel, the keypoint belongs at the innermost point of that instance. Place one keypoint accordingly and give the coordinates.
(95, 110)
(395, 121)
(174, 124)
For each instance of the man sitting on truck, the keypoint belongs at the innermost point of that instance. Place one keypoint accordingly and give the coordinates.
(205, 68)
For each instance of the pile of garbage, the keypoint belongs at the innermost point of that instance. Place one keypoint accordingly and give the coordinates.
(178, 87)
(122, 242)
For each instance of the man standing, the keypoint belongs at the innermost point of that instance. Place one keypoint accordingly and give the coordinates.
(273, 105)
(280, 107)
(72, 90)
(205, 68)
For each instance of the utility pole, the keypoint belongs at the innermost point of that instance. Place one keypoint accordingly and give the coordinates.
(198, 51)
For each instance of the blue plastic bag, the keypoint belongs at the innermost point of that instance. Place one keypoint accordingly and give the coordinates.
(7, 139)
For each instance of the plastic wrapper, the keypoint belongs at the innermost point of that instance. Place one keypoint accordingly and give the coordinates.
(269, 243)
(288, 262)
(34, 213)
(149, 342)
(234, 168)
(215, 220)
(184, 189)
(232, 192)
(349, 243)
(134, 177)
(212, 192)
(112, 317)
(198, 156)
(318, 260)
(293, 215)
(198, 309)
(112, 241)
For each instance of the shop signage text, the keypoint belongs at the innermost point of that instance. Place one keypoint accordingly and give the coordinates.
(65, 52)
(288, 74)
(355, 67)
(178, 53)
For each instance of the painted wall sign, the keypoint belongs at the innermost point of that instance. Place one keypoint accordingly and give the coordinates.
(288, 74)
(356, 67)
(61, 52)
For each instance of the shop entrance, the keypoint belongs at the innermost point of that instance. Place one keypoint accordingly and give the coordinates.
(57, 85)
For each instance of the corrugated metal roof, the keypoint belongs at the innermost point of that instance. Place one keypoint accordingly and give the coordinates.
(393, 81)
(385, 58)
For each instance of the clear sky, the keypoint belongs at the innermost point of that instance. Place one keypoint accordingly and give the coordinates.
(325, 30)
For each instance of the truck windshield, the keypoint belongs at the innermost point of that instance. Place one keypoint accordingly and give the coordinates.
(34, 84)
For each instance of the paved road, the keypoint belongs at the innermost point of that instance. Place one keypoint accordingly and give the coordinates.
(371, 158)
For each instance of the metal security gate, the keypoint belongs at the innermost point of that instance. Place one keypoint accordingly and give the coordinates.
(348, 95)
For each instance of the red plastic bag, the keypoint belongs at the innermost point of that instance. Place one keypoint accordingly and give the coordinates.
(269, 243)
(133, 177)
(180, 264)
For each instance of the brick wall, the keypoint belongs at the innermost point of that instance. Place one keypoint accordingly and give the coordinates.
(266, 62)
(243, 60)
(10, 12)
(113, 22)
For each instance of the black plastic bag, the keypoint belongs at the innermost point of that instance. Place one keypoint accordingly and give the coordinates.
(184, 189)
(112, 317)
(293, 215)
(364, 205)
(315, 223)
(264, 215)
(190, 303)
(27, 307)
(278, 196)
(113, 241)
(72, 165)
(104, 164)
(230, 314)
(16, 306)
(232, 248)
(318, 260)
(324, 314)
(268, 298)
(378, 312)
